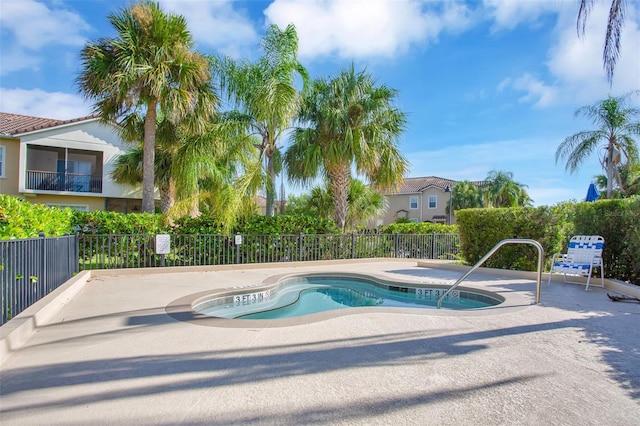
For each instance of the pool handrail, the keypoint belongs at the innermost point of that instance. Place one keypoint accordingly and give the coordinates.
(490, 253)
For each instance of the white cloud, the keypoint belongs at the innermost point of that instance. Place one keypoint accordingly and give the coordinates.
(216, 24)
(38, 103)
(577, 62)
(367, 28)
(574, 71)
(34, 25)
(508, 14)
(537, 92)
(14, 59)
(28, 27)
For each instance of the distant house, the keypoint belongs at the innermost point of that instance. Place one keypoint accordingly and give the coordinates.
(65, 163)
(420, 199)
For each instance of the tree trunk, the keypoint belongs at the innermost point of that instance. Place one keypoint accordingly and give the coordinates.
(167, 196)
(610, 166)
(194, 208)
(339, 182)
(271, 184)
(148, 160)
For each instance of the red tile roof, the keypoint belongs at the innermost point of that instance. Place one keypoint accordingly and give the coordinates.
(419, 184)
(14, 124)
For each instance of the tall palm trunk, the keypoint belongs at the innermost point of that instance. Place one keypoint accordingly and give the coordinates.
(339, 177)
(271, 184)
(148, 159)
(610, 168)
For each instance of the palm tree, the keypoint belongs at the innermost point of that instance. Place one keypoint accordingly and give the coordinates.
(190, 169)
(349, 122)
(611, 50)
(465, 195)
(127, 170)
(500, 190)
(149, 65)
(215, 169)
(364, 204)
(128, 167)
(614, 136)
(629, 178)
(265, 95)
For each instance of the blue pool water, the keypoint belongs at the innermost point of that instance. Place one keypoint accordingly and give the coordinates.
(310, 294)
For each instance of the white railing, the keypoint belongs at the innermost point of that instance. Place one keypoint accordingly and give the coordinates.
(490, 253)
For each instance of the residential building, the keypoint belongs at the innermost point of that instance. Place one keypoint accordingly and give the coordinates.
(420, 199)
(66, 163)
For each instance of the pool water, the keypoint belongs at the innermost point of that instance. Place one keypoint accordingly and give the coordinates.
(312, 294)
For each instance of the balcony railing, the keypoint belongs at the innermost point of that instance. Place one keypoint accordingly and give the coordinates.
(59, 181)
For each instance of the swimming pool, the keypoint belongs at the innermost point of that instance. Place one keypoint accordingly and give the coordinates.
(312, 293)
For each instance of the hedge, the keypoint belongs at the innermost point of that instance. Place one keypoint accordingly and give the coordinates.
(615, 220)
(479, 229)
(419, 228)
(21, 219)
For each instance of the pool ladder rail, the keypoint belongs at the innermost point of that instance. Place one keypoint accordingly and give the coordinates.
(490, 253)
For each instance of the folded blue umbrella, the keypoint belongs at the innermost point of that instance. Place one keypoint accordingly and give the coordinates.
(592, 193)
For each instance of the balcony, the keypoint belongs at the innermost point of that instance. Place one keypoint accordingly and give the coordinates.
(60, 181)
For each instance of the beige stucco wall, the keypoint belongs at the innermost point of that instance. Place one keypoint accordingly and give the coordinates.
(85, 135)
(94, 203)
(9, 183)
(423, 213)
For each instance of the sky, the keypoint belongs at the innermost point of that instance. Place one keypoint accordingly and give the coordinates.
(486, 85)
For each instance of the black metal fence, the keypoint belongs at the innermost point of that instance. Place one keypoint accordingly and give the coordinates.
(137, 251)
(32, 268)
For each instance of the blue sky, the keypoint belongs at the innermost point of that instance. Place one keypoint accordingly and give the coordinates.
(487, 85)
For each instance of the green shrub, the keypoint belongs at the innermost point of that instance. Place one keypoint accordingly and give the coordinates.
(482, 229)
(618, 221)
(198, 225)
(102, 222)
(418, 228)
(285, 224)
(615, 220)
(21, 219)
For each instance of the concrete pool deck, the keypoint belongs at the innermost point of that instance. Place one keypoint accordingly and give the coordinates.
(111, 354)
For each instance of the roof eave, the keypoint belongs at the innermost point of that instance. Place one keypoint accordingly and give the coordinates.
(57, 126)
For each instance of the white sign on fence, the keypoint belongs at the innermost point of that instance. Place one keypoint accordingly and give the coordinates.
(163, 244)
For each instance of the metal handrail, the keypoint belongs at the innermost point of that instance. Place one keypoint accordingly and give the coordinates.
(493, 250)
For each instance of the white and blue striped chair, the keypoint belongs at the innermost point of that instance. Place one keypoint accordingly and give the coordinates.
(584, 254)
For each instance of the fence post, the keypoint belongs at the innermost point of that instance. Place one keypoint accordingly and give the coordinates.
(42, 281)
(433, 246)
(300, 242)
(238, 241)
(68, 238)
(395, 245)
(76, 268)
(353, 245)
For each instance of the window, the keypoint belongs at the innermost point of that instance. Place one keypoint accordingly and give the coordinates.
(413, 202)
(413, 220)
(433, 201)
(2, 161)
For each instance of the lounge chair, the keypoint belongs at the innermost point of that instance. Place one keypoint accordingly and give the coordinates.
(584, 254)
